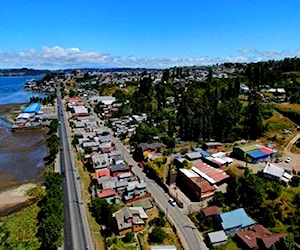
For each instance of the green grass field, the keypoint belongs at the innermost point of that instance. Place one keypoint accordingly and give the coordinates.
(22, 227)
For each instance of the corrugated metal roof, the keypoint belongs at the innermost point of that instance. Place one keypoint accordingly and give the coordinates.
(257, 154)
(248, 148)
(202, 152)
(218, 236)
(236, 218)
(32, 108)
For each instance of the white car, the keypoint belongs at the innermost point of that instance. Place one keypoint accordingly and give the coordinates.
(288, 159)
(172, 201)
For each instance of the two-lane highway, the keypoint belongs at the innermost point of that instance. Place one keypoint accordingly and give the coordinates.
(77, 232)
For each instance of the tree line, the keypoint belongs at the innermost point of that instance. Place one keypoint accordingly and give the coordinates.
(50, 218)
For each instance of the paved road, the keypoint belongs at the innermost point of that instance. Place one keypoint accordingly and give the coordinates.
(295, 163)
(77, 232)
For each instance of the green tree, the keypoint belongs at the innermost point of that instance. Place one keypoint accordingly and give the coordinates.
(50, 232)
(218, 199)
(128, 237)
(72, 93)
(254, 121)
(102, 211)
(53, 126)
(295, 182)
(157, 235)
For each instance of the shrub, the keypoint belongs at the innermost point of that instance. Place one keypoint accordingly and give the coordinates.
(128, 237)
(157, 235)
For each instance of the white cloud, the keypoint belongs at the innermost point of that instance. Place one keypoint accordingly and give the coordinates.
(58, 58)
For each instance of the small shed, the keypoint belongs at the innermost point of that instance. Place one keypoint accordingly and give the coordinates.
(217, 238)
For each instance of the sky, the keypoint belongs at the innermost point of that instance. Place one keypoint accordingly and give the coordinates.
(61, 34)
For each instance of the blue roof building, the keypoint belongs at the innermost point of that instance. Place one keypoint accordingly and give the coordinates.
(236, 220)
(202, 152)
(32, 108)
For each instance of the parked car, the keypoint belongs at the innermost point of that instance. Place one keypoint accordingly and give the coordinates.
(141, 165)
(288, 159)
(172, 202)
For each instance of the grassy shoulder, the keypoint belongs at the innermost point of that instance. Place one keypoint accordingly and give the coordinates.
(94, 226)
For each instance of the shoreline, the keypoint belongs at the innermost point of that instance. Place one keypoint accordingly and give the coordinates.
(15, 198)
(7, 149)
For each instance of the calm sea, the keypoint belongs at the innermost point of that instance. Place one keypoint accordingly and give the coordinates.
(11, 89)
(22, 153)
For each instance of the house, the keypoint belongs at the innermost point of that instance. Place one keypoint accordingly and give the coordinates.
(212, 146)
(108, 195)
(134, 190)
(236, 220)
(105, 182)
(100, 161)
(193, 156)
(276, 173)
(217, 238)
(130, 219)
(145, 149)
(102, 172)
(74, 101)
(118, 169)
(79, 111)
(258, 237)
(202, 152)
(210, 211)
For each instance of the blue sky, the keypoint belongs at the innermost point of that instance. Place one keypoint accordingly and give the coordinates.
(65, 33)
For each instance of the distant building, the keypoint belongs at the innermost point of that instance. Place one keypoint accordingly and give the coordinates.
(74, 101)
(213, 146)
(211, 174)
(80, 111)
(32, 108)
(253, 153)
(276, 173)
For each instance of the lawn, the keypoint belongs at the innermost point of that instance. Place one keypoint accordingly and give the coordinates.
(22, 227)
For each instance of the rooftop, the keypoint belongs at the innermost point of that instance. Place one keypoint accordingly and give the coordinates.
(211, 174)
(211, 210)
(236, 218)
(218, 236)
(273, 170)
(106, 193)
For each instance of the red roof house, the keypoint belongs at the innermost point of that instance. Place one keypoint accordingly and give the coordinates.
(258, 236)
(211, 211)
(102, 172)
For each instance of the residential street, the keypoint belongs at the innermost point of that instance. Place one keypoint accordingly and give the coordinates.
(189, 235)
